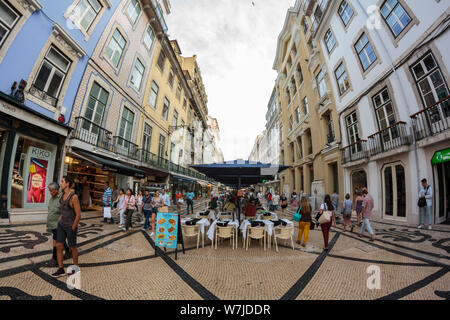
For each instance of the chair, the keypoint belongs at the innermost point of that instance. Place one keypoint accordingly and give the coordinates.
(225, 233)
(267, 217)
(258, 233)
(226, 215)
(191, 231)
(284, 234)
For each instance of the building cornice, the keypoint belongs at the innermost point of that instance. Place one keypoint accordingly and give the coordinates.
(67, 41)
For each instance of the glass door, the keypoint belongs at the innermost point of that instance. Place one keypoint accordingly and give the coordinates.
(442, 192)
(394, 192)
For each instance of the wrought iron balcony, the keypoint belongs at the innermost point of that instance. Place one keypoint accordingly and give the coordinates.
(432, 120)
(89, 132)
(354, 152)
(125, 147)
(390, 138)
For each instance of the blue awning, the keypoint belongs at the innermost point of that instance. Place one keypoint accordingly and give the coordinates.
(182, 179)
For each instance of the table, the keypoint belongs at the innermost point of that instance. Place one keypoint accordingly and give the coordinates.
(211, 215)
(273, 217)
(212, 229)
(202, 223)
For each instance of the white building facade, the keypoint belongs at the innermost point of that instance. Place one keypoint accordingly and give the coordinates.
(388, 62)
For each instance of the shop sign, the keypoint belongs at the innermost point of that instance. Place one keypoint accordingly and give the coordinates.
(167, 230)
(441, 156)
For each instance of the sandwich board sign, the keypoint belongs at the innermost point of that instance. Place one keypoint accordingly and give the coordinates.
(168, 231)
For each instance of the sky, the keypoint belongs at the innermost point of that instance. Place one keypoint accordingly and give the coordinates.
(235, 42)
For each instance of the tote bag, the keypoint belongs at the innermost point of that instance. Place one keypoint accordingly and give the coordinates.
(325, 217)
(106, 212)
(297, 216)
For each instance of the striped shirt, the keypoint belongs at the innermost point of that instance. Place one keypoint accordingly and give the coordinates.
(106, 195)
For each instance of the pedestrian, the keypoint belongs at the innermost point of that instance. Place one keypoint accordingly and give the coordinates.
(157, 202)
(294, 198)
(107, 201)
(347, 209)
(284, 202)
(166, 200)
(305, 221)
(326, 208)
(190, 201)
(275, 201)
(129, 205)
(67, 224)
(269, 200)
(119, 205)
(358, 207)
(54, 212)
(140, 215)
(335, 202)
(147, 208)
(425, 203)
(179, 201)
(368, 205)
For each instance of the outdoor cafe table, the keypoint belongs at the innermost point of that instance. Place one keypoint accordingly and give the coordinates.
(273, 217)
(210, 216)
(212, 229)
(202, 223)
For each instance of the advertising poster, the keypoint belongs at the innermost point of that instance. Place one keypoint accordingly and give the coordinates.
(166, 230)
(37, 173)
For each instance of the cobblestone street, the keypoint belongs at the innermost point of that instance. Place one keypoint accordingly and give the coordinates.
(414, 264)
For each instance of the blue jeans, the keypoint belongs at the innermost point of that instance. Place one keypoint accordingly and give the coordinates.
(147, 214)
(191, 205)
(423, 212)
(366, 224)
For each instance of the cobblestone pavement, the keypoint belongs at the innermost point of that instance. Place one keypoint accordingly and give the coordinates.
(413, 264)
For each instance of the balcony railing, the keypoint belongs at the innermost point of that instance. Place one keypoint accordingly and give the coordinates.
(125, 147)
(354, 152)
(390, 138)
(432, 120)
(89, 132)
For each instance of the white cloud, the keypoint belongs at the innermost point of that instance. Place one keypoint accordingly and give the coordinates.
(235, 43)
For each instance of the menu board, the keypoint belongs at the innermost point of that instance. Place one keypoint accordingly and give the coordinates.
(167, 230)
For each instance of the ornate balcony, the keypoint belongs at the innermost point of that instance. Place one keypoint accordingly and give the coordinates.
(390, 138)
(125, 148)
(354, 152)
(89, 132)
(432, 120)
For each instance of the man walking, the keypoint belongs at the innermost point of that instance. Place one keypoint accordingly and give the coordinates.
(107, 201)
(335, 202)
(425, 204)
(67, 225)
(190, 201)
(367, 211)
(166, 198)
(54, 211)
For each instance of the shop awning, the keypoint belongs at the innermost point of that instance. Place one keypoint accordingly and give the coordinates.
(182, 179)
(113, 166)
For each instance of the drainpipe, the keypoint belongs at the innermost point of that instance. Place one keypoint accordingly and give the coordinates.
(402, 92)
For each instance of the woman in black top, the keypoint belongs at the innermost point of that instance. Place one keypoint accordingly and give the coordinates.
(284, 203)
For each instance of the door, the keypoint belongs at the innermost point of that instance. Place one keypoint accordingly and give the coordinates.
(91, 127)
(386, 119)
(394, 192)
(442, 192)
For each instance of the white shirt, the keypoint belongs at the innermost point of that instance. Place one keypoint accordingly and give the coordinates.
(275, 200)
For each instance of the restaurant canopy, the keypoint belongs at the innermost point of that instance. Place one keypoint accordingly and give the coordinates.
(240, 173)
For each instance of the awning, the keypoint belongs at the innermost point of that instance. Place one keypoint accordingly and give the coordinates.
(182, 179)
(203, 184)
(114, 166)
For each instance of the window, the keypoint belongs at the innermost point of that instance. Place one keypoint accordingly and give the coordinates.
(345, 12)
(153, 94)
(172, 150)
(171, 77)
(166, 107)
(291, 123)
(182, 127)
(305, 25)
(341, 78)
(95, 109)
(330, 129)
(322, 86)
(116, 47)
(137, 75)
(178, 94)
(297, 115)
(353, 132)
(365, 52)
(429, 79)
(149, 37)
(329, 40)
(52, 73)
(85, 13)
(288, 95)
(305, 106)
(294, 86)
(161, 60)
(126, 128)
(133, 10)
(385, 115)
(147, 137)
(395, 16)
(8, 19)
(300, 73)
(162, 146)
(175, 118)
(184, 103)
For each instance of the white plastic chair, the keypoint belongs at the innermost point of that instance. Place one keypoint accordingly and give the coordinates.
(191, 231)
(283, 233)
(225, 233)
(258, 233)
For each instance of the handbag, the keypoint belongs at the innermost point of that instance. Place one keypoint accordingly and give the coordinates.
(297, 216)
(422, 201)
(325, 217)
(106, 212)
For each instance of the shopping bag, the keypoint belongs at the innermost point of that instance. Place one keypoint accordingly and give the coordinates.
(325, 217)
(106, 212)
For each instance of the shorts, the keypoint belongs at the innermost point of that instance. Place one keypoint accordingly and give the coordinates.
(55, 234)
(347, 215)
(67, 233)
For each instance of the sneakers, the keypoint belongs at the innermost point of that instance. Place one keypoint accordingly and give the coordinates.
(121, 226)
(429, 228)
(59, 273)
(420, 226)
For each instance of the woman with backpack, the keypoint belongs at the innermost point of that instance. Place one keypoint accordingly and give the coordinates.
(324, 217)
(305, 221)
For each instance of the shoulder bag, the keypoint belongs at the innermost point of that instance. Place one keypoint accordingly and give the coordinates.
(422, 201)
(297, 216)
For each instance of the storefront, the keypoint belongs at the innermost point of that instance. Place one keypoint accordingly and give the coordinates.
(441, 172)
(30, 157)
(182, 184)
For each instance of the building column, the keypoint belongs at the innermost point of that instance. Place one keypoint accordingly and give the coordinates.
(4, 214)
